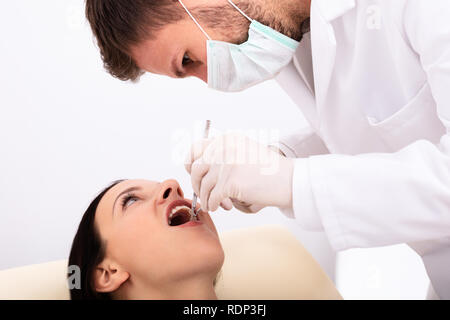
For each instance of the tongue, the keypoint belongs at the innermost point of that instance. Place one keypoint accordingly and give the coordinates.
(179, 219)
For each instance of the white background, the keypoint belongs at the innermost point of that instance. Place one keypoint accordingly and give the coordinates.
(68, 129)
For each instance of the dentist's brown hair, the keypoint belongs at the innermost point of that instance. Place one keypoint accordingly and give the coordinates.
(119, 24)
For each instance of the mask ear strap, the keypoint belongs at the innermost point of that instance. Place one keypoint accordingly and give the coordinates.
(192, 17)
(242, 12)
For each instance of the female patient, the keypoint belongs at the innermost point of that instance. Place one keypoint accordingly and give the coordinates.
(136, 241)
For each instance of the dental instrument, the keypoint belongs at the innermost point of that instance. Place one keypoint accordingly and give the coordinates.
(194, 198)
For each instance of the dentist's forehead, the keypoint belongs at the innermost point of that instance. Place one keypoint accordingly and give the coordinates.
(153, 55)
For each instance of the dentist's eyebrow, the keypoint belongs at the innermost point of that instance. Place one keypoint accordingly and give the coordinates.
(122, 193)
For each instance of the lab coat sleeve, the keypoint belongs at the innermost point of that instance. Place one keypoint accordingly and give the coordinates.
(301, 144)
(382, 199)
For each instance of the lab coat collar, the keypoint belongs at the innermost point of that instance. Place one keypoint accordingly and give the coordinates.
(332, 9)
(323, 43)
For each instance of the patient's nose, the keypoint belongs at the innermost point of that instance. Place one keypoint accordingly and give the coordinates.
(170, 190)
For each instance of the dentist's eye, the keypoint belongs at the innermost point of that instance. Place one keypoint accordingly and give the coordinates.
(186, 60)
(129, 200)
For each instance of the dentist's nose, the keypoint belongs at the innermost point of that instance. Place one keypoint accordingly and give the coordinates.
(169, 190)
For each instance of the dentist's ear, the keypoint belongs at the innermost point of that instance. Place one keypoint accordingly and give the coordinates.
(108, 277)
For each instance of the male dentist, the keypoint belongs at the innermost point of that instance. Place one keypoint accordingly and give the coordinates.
(372, 77)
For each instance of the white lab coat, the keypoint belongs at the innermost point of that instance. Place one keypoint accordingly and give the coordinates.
(373, 81)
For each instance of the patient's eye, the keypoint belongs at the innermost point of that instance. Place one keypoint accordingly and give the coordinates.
(128, 200)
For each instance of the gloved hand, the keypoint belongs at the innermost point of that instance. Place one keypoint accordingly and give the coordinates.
(235, 170)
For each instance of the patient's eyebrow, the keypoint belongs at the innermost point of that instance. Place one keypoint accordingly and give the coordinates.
(122, 193)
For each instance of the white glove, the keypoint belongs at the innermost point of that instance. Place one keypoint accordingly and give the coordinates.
(233, 169)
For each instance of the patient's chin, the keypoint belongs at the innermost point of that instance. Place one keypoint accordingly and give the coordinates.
(213, 256)
(206, 257)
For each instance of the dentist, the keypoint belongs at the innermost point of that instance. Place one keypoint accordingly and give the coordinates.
(372, 78)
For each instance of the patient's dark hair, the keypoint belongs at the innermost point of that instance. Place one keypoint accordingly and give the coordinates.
(88, 251)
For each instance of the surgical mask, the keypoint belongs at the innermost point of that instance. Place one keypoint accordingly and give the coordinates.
(234, 67)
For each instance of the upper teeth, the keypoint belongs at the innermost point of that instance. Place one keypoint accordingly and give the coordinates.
(176, 209)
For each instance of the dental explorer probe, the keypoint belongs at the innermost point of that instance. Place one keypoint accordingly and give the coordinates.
(194, 198)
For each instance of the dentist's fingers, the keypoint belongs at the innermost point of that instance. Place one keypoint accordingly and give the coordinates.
(218, 193)
(247, 208)
(227, 204)
(207, 184)
(195, 153)
(215, 199)
(198, 171)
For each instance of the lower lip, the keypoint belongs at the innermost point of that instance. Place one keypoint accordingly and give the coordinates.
(191, 224)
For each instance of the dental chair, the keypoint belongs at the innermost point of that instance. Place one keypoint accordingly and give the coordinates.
(261, 263)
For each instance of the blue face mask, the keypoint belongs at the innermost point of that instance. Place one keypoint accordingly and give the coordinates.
(234, 67)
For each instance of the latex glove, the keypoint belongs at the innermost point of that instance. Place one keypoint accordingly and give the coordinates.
(235, 170)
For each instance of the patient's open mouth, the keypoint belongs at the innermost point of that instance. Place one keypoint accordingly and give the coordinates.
(180, 215)
(179, 212)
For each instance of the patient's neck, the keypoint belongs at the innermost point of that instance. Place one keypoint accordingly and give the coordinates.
(198, 288)
(195, 289)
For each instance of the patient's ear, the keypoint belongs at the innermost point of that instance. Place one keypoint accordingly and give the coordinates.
(108, 277)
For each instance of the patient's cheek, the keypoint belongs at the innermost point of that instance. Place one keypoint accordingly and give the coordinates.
(131, 240)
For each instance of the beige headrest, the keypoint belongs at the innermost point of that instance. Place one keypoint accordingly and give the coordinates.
(260, 263)
(269, 263)
(37, 282)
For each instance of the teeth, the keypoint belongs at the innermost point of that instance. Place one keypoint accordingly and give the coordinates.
(176, 209)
